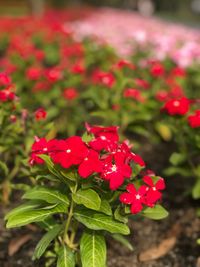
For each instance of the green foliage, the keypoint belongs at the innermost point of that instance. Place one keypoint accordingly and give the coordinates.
(93, 250)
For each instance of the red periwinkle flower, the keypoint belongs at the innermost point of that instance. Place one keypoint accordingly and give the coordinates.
(33, 73)
(116, 170)
(39, 147)
(134, 93)
(71, 151)
(124, 63)
(134, 197)
(177, 106)
(6, 95)
(178, 72)
(142, 83)
(90, 164)
(104, 78)
(5, 80)
(153, 193)
(194, 120)
(157, 70)
(78, 68)
(40, 114)
(70, 93)
(53, 74)
(162, 95)
(105, 137)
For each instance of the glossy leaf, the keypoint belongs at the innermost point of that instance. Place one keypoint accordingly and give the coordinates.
(46, 240)
(156, 213)
(87, 197)
(33, 215)
(93, 250)
(100, 221)
(66, 257)
(49, 195)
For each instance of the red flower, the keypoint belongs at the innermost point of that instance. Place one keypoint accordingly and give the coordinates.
(134, 93)
(177, 106)
(78, 68)
(142, 83)
(70, 93)
(125, 148)
(162, 95)
(124, 63)
(157, 70)
(90, 164)
(53, 75)
(104, 78)
(4, 79)
(116, 170)
(137, 159)
(71, 151)
(40, 114)
(178, 72)
(33, 73)
(194, 120)
(153, 193)
(134, 197)
(6, 95)
(39, 147)
(105, 137)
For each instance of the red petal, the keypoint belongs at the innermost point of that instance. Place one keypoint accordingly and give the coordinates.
(148, 180)
(131, 189)
(160, 185)
(136, 207)
(126, 198)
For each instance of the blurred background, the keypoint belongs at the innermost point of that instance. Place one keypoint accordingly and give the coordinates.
(185, 11)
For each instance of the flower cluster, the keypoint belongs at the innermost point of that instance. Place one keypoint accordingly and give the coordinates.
(102, 155)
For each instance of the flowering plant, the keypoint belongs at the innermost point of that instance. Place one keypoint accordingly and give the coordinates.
(87, 189)
(19, 126)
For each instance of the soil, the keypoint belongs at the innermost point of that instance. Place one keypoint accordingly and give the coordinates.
(171, 242)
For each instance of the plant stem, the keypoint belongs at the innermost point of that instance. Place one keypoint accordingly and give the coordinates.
(66, 239)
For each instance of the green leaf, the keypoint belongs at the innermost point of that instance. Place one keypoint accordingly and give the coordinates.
(68, 174)
(45, 241)
(196, 190)
(33, 215)
(87, 137)
(30, 205)
(177, 158)
(164, 131)
(66, 257)
(123, 241)
(93, 250)
(49, 195)
(119, 217)
(105, 207)
(52, 167)
(100, 221)
(156, 213)
(87, 197)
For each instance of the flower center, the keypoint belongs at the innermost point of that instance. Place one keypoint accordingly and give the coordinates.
(114, 168)
(176, 103)
(105, 80)
(86, 159)
(137, 196)
(68, 150)
(154, 189)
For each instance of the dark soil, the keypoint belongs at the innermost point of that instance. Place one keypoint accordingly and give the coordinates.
(182, 225)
